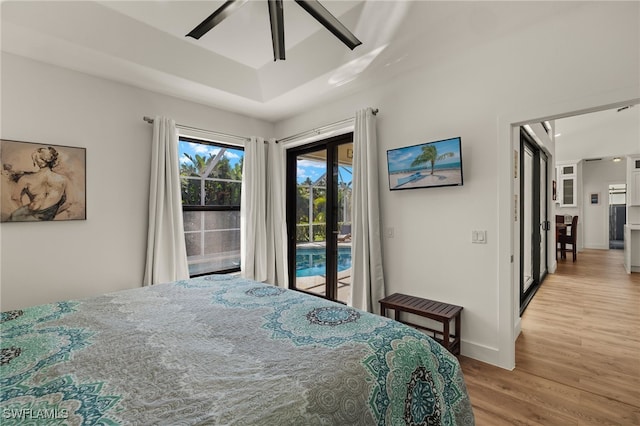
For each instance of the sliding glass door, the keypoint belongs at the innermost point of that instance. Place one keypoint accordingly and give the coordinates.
(319, 217)
(534, 224)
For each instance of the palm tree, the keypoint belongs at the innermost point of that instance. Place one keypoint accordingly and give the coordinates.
(197, 166)
(430, 154)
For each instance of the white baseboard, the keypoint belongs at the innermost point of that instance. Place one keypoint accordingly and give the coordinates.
(480, 352)
(517, 328)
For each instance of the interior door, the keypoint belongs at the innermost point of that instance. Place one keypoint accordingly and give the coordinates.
(527, 220)
(534, 226)
(319, 217)
(543, 220)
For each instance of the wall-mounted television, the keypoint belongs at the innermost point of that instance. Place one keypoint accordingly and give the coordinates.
(426, 165)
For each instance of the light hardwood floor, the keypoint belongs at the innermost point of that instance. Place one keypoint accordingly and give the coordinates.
(578, 356)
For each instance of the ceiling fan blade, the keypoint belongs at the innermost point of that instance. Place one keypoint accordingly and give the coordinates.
(216, 17)
(276, 17)
(330, 22)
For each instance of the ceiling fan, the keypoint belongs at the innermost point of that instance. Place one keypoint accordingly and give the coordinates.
(276, 17)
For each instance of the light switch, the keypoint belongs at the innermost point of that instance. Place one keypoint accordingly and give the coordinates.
(479, 237)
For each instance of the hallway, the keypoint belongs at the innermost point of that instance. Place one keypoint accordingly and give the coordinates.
(578, 355)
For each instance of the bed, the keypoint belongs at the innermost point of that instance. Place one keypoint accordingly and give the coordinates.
(222, 350)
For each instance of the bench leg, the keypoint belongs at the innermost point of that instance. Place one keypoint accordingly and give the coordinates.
(458, 327)
(445, 336)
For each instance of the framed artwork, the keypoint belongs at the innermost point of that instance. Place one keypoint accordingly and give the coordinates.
(42, 182)
(595, 198)
(555, 191)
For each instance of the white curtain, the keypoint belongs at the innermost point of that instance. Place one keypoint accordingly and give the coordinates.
(253, 212)
(166, 251)
(366, 252)
(277, 272)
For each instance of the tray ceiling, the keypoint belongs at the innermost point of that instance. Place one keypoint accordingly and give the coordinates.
(143, 43)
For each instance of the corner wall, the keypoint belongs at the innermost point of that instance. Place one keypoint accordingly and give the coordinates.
(46, 262)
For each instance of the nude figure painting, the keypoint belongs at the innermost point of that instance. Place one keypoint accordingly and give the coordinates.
(42, 182)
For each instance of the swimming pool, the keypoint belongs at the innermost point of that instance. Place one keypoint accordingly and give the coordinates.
(312, 261)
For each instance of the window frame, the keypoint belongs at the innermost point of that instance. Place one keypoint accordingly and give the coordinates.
(192, 208)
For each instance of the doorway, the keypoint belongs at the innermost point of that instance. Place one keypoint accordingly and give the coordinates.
(319, 186)
(617, 215)
(509, 246)
(534, 226)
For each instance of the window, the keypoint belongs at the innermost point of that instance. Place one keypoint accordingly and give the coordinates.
(211, 181)
(568, 188)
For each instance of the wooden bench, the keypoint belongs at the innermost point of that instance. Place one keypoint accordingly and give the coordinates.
(437, 311)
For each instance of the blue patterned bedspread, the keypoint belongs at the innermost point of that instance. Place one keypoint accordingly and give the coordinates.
(222, 350)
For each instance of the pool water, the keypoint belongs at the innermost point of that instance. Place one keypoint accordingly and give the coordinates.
(312, 261)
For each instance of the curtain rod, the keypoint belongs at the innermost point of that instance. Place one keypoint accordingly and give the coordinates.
(211, 132)
(320, 129)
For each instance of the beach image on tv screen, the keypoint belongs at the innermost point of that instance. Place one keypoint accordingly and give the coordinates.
(425, 165)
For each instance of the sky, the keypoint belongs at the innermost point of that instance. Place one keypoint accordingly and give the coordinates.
(306, 168)
(311, 169)
(234, 155)
(315, 169)
(401, 158)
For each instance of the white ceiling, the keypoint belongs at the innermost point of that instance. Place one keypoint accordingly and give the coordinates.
(603, 134)
(143, 43)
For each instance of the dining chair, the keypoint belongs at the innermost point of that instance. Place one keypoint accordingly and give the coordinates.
(561, 229)
(569, 239)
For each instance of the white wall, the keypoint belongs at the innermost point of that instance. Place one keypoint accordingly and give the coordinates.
(45, 262)
(469, 94)
(596, 178)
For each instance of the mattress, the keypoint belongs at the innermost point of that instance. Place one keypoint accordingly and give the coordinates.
(222, 350)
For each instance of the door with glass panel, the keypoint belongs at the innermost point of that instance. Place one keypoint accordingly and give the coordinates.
(543, 220)
(319, 186)
(534, 223)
